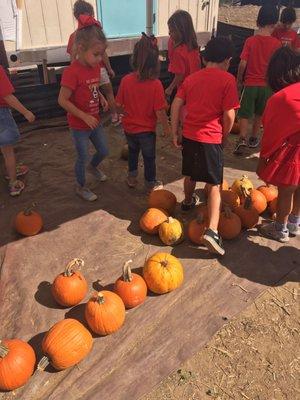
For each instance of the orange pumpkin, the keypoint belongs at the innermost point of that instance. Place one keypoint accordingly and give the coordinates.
(244, 182)
(224, 186)
(131, 287)
(230, 224)
(151, 220)
(105, 312)
(196, 229)
(248, 214)
(163, 199)
(65, 344)
(70, 287)
(171, 231)
(230, 199)
(163, 273)
(28, 222)
(270, 192)
(258, 200)
(202, 210)
(17, 361)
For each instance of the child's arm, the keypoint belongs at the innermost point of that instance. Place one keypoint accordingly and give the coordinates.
(241, 72)
(175, 113)
(175, 83)
(14, 103)
(64, 101)
(227, 123)
(103, 102)
(106, 62)
(163, 120)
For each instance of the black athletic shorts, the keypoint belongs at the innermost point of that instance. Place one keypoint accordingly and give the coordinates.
(202, 162)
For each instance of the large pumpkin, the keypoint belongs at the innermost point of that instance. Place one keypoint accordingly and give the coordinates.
(230, 199)
(171, 231)
(244, 182)
(258, 200)
(17, 361)
(65, 344)
(131, 287)
(196, 229)
(230, 224)
(163, 199)
(28, 222)
(163, 273)
(105, 312)
(248, 214)
(151, 220)
(70, 287)
(270, 192)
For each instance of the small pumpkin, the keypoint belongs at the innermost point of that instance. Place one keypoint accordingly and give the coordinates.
(162, 199)
(258, 200)
(105, 312)
(230, 199)
(270, 192)
(124, 152)
(65, 344)
(235, 130)
(244, 182)
(28, 222)
(151, 220)
(70, 287)
(230, 224)
(163, 273)
(224, 186)
(17, 361)
(171, 231)
(248, 214)
(196, 229)
(131, 287)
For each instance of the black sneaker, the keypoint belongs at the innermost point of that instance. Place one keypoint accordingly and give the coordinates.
(213, 242)
(240, 143)
(195, 202)
(253, 142)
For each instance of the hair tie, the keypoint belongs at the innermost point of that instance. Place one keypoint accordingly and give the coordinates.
(87, 20)
(151, 38)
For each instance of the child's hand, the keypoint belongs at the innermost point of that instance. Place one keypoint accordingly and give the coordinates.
(168, 91)
(91, 121)
(111, 73)
(104, 103)
(29, 116)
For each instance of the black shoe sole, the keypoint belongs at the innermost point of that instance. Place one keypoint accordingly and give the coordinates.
(212, 245)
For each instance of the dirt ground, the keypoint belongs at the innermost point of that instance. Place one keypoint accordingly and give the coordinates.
(241, 16)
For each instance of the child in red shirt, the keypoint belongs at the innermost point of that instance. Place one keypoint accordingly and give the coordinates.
(141, 95)
(82, 7)
(183, 49)
(284, 31)
(9, 133)
(210, 96)
(80, 97)
(255, 57)
(280, 151)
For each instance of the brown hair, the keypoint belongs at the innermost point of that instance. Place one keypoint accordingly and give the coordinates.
(182, 23)
(145, 58)
(88, 35)
(82, 7)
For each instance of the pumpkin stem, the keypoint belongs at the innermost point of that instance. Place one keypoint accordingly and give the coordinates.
(164, 263)
(248, 203)
(42, 365)
(245, 191)
(170, 220)
(127, 275)
(4, 350)
(100, 298)
(28, 210)
(78, 262)
(227, 211)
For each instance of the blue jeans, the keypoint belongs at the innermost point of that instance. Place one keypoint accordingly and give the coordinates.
(81, 141)
(146, 142)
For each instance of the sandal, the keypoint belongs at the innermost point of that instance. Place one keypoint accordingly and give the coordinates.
(21, 170)
(16, 188)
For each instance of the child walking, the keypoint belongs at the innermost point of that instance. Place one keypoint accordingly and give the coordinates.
(284, 31)
(280, 153)
(82, 7)
(183, 49)
(141, 95)
(255, 57)
(210, 96)
(80, 97)
(9, 133)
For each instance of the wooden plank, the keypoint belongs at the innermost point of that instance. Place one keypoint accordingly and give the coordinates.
(66, 20)
(36, 23)
(162, 15)
(26, 38)
(184, 4)
(52, 23)
(173, 6)
(202, 22)
(193, 10)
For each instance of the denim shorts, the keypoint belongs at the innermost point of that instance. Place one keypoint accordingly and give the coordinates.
(9, 132)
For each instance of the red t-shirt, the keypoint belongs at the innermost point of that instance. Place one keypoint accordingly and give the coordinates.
(182, 60)
(207, 94)
(71, 44)
(257, 52)
(281, 119)
(287, 37)
(6, 88)
(140, 100)
(84, 83)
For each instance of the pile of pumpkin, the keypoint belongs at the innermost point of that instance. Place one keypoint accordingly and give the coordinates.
(242, 205)
(69, 341)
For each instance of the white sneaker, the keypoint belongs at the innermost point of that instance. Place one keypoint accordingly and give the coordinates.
(85, 193)
(100, 175)
(293, 228)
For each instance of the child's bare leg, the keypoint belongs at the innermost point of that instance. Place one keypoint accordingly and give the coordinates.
(10, 162)
(109, 95)
(284, 204)
(244, 125)
(296, 203)
(189, 188)
(256, 125)
(213, 205)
